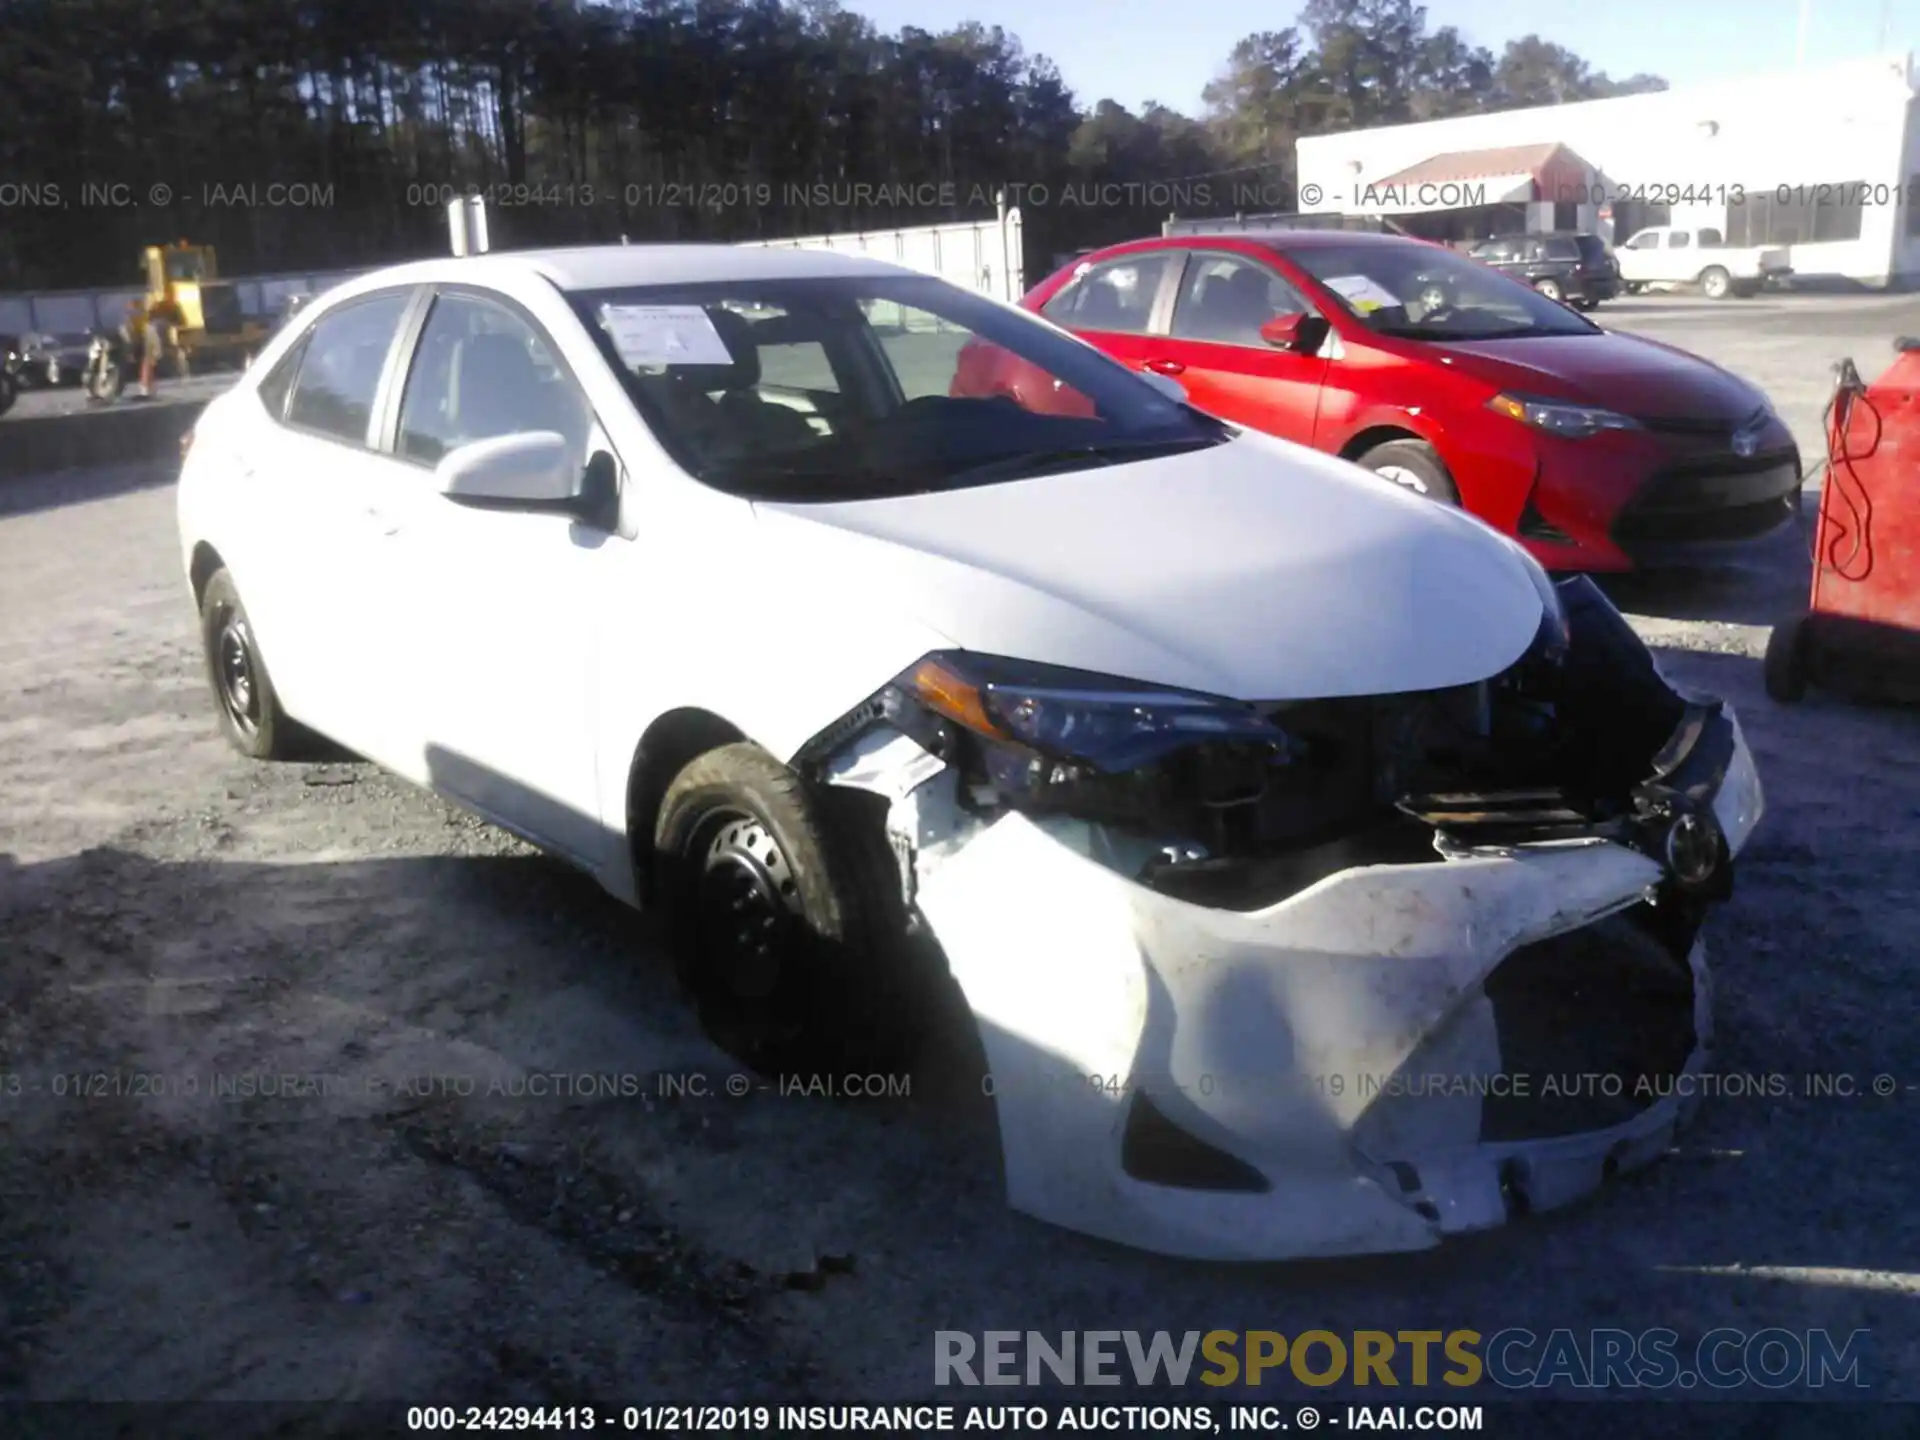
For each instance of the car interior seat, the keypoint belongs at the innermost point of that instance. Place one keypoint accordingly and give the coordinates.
(1100, 309)
(764, 424)
(1233, 307)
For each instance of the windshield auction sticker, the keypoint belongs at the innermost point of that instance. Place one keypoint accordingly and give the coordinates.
(664, 335)
(1363, 292)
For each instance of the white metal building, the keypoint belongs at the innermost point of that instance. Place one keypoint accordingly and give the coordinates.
(1826, 161)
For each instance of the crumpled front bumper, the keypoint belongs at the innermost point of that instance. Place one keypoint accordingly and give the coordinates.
(1340, 1045)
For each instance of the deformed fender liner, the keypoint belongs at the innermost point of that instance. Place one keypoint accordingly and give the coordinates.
(1087, 986)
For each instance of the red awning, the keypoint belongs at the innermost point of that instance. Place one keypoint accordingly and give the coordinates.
(1461, 179)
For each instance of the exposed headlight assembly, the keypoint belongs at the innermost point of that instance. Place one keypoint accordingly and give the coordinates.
(1560, 417)
(1082, 719)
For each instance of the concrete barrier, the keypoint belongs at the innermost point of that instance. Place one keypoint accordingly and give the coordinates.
(126, 433)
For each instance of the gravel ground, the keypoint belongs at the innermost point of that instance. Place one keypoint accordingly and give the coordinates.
(168, 910)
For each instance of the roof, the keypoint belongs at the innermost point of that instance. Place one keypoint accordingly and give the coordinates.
(609, 267)
(1544, 164)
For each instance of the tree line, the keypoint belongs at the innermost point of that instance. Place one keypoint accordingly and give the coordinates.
(297, 134)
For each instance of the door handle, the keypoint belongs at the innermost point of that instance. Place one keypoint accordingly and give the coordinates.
(1164, 367)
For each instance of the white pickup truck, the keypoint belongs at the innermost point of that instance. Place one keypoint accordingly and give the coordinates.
(1687, 255)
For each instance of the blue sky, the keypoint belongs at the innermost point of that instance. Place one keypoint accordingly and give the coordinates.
(1139, 50)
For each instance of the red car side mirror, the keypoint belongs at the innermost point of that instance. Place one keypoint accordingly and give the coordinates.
(1282, 331)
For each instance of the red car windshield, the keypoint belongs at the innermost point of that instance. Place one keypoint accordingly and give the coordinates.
(1422, 292)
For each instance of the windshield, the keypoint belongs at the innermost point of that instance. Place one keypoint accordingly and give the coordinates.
(1422, 292)
(862, 387)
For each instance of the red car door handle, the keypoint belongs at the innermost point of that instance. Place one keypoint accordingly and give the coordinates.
(1164, 367)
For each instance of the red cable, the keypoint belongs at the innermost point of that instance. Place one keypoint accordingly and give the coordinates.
(1858, 499)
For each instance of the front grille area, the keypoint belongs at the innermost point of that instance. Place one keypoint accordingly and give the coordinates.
(1606, 1011)
(1594, 1027)
(1689, 425)
(1731, 523)
(1719, 497)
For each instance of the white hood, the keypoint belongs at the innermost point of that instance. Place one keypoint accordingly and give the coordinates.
(1254, 569)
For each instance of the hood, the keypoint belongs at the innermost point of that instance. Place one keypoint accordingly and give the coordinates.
(1254, 569)
(1637, 377)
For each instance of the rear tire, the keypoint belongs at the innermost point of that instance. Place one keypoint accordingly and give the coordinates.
(1715, 283)
(250, 713)
(1785, 670)
(1415, 465)
(783, 908)
(1551, 289)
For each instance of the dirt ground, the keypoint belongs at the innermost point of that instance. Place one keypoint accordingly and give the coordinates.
(185, 937)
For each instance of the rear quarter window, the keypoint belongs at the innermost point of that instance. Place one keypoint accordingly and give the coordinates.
(1562, 250)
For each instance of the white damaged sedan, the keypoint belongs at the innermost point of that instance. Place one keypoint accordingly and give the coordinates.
(1322, 877)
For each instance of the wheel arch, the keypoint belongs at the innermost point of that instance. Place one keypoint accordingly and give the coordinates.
(201, 568)
(1384, 433)
(664, 750)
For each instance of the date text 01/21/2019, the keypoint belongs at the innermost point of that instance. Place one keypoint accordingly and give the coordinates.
(1843, 195)
(717, 1419)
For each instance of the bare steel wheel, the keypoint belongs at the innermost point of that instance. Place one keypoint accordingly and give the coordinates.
(747, 903)
(249, 708)
(785, 912)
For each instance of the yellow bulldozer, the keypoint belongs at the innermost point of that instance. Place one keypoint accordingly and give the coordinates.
(209, 325)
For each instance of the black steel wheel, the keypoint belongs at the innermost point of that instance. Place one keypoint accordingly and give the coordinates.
(248, 707)
(786, 917)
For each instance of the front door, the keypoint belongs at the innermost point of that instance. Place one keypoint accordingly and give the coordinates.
(498, 612)
(1214, 347)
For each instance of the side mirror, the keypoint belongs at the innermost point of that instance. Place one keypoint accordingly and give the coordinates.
(1282, 331)
(1302, 333)
(534, 470)
(1166, 385)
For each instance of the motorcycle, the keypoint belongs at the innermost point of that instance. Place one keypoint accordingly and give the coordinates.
(108, 361)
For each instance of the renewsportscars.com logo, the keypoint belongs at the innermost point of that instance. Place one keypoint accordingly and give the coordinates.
(1513, 1359)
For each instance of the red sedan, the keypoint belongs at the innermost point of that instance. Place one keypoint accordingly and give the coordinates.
(1597, 450)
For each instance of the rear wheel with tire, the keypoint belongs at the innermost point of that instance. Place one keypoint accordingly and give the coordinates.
(1716, 283)
(1552, 289)
(783, 907)
(250, 714)
(1785, 670)
(1415, 465)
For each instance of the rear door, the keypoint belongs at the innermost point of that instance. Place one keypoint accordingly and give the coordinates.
(1213, 346)
(1114, 303)
(314, 523)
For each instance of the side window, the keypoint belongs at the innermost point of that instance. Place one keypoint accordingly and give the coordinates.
(1645, 240)
(341, 369)
(482, 371)
(1226, 299)
(1564, 251)
(1532, 252)
(1116, 297)
(1678, 240)
(1499, 251)
(274, 389)
(1710, 238)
